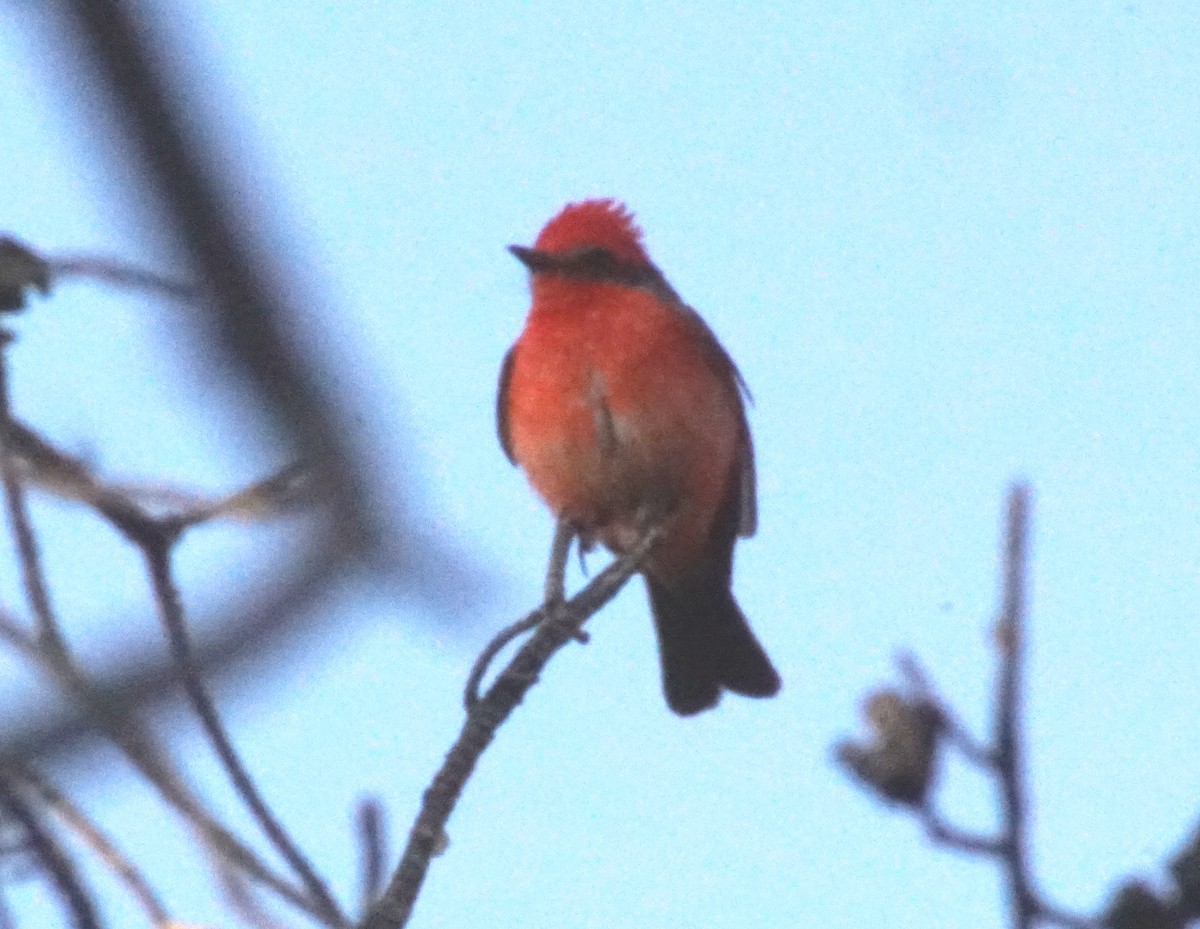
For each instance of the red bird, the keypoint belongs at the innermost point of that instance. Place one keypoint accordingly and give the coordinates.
(620, 405)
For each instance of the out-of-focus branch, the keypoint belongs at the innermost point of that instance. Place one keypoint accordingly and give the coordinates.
(156, 548)
(50, 855)
(121, 725)
(36, 591)
(244, 306)
(371, 824)
(121, 275)
(49, 651)
(1173, 904)
(250, 309)
(106, 851)
(246, 630)
(1009, 750)
(558, 623)
(21, 270)
(912, 729)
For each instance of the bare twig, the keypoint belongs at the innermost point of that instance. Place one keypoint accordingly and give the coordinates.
(1002, 760)
(155, 538)
(52, 857)
(40, 463)
(94, 837)
(1009, 751)
(139, 676)
(122, 275)
(953, 730)
(122, 727)
(560, 552)
(156, 548)
(494, 648)
(559, 624)
(950, 836)
(126, 733)
(373, 851)
(36, 590)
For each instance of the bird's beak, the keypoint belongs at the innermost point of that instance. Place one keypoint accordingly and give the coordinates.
(533, 259)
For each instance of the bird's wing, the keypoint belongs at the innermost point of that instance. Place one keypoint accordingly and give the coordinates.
(719, 359)
(506, 370)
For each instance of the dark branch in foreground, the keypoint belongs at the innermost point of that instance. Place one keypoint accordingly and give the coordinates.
(557, 623)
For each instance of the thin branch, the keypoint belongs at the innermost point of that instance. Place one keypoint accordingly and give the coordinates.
(1009, 750)
(52, 857)
(559, 624)
(943, 833)
(157, 552)
(119, 274)
(95, 838)
(373, 852)
(953, 730)
(560, 552)
(32, 576)
(1002, 761)
(241, 899)
(126, 733)
(40, 463)
(494, 648)
(136, 525)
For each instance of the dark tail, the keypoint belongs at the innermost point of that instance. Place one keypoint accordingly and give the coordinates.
(706, 645)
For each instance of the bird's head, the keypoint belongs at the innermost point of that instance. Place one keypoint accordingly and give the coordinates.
(587, 239)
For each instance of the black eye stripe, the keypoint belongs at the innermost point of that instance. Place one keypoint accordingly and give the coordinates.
(596, 263)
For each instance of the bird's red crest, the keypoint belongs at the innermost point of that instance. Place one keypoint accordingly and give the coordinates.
(594, 222)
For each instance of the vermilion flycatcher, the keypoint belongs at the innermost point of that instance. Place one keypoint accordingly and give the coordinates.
(621, 406)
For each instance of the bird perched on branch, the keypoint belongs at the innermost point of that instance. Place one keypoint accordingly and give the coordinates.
(622, 408)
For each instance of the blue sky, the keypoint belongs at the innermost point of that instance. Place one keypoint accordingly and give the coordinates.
(946, 248)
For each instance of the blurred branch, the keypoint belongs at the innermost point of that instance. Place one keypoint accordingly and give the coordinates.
(36, 592)
(251, 313)
(245, 631)
(50, 651)
(156, 548)
(60, 870)
(21, 270)
(1136, 905)
(72, 817)
(371, 825)
(557, 623)
(913, 728)
(1009, 750)
(122, 727)
(121, 275)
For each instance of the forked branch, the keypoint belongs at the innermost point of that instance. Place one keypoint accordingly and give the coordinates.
(556, 622)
